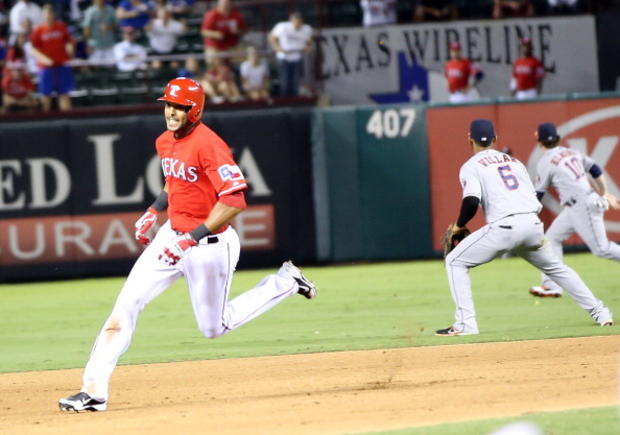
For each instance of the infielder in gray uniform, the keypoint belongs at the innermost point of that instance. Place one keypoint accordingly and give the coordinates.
(566, 170)
(501, 184)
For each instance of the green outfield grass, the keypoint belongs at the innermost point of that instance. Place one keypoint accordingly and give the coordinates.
(592, 421)
(52, 325)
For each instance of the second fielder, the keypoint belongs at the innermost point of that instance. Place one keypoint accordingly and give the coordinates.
(583, 209)
(501, 185)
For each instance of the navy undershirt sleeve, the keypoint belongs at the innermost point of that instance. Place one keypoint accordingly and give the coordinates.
(469, 207)
(595, 171)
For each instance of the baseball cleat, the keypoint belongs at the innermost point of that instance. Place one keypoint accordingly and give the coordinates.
(306, 287)
(603, 317)
(451, 332)
(545, 292)
(81, 402)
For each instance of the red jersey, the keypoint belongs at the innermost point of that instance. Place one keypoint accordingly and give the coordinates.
(527, 72)
(52, 41)
(17, 88)
(230, 25)
(199, 169)
(458, 71)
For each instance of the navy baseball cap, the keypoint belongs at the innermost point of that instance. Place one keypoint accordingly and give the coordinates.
(482, 131)
(547, 132)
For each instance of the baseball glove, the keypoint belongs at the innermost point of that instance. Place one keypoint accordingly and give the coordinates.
(453, 237)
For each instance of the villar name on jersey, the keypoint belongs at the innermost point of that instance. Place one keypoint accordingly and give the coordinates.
(496, 159)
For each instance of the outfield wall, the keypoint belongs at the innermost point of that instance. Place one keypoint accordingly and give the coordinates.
(371, 183)
(71, 190)
(385, 190)
(590, 124)
(337, 184)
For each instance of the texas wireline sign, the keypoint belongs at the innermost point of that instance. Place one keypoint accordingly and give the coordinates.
(397, 64)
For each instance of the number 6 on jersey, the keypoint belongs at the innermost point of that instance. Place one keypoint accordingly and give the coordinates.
(510, 181)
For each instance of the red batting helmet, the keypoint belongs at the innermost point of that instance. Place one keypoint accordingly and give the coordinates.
(186, 92)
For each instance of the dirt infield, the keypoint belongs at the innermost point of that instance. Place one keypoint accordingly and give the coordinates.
(340, 392)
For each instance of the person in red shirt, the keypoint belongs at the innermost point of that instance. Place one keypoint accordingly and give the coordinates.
(53, 47)
(17, 87)
(204, 190)
(527, 73)
(462, 75)
(219, 82)
(222, 28)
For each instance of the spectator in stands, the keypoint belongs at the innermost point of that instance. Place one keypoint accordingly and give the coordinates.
(53, 47)
(191, 69)
(133, 13)
(291, 40)
(180, 8)
(163, 32)
(462, 75)
(129, 55)
(21, 50)
(99, 28)
(512, 8)
(24, 16)
(17, 87)
(222, 29)
(378, 12)
(434, 10)
(16, 51)
(527, 73)
(219, 82)
(254, 73)
(563, 6)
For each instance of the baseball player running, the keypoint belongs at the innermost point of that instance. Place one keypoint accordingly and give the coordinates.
(583, 209)
(203, 192)
(501, 184)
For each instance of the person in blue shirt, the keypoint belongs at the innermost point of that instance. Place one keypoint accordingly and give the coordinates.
(134, 13)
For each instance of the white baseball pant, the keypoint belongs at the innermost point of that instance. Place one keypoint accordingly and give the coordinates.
(526, 94)
(584, 217)
(208, 269)
(523, 235)
(464, 96)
